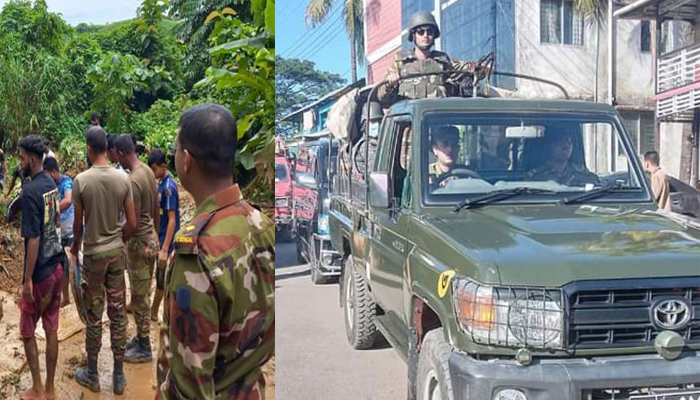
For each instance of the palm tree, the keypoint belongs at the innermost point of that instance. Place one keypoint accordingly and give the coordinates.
(353, 17)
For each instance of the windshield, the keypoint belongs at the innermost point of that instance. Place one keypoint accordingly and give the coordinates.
(557, 156)
(280, 173)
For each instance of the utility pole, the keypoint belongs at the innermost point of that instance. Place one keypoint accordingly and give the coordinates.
(611, 53)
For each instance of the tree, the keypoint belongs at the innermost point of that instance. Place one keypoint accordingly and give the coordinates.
(195, 32)
(241, 74)
(353, 17)
(298, 82)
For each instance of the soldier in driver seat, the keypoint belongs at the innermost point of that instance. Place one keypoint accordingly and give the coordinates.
(445, 146)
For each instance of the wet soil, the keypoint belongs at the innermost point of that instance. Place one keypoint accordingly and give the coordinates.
(15, 377)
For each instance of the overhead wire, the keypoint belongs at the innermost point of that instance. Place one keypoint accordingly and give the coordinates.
(314, 48)
(313, 33)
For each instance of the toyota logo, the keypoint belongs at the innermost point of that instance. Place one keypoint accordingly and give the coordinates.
(673, 313)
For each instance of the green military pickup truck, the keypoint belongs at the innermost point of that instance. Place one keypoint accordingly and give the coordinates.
(511, 250)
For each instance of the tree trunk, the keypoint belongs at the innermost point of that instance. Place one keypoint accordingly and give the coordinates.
(353, 61)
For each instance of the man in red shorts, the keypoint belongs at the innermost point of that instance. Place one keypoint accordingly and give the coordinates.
(43, 272)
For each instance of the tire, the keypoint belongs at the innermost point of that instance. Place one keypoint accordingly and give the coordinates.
(317, 278)
(433, 381)
(315, 266)
(358, 308)
(300, 256)
(284, 234)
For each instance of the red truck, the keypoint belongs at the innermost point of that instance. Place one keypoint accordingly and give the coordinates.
(284, 197)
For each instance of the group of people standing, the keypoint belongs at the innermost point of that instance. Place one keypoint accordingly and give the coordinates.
(216, 274)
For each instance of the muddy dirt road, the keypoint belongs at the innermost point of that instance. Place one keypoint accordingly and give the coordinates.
(15, 377)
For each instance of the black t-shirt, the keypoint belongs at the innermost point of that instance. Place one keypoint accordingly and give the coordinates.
(41, 218)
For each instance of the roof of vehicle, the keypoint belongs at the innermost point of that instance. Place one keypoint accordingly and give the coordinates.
(319, 142)
(499, 104)
(280, 160)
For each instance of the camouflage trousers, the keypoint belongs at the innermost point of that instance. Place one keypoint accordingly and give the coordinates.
(142, 253)
(104, 273)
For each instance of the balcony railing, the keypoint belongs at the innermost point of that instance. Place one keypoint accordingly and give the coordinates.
(678, 81)
(678, 68)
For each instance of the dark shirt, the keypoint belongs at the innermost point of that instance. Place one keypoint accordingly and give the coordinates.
(169, 200)
(41, 218)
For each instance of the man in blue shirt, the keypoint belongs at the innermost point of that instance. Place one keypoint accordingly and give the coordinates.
(65, 194)
(169, 221)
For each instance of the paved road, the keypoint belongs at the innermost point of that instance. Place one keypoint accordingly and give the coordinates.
(314, 360)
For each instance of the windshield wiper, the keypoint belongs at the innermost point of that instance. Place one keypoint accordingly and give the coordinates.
(499, 195)
(591, 194)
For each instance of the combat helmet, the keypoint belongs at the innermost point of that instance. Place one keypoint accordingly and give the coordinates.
(420, 18)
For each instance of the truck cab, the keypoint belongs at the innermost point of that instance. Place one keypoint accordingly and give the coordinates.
(284, 198)
(315, 165)
(505, 254)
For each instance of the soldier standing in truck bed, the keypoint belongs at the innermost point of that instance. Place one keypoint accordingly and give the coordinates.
(422, 31)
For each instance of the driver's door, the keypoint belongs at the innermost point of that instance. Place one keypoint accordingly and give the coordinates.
(389, 229)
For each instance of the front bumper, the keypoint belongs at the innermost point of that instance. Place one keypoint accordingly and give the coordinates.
(283, 220)
(572, 379)
(329, 260)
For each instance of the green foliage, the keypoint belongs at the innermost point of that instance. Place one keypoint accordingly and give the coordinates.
(298, 82)
(243, 67)
(72, 150)
(158, 126)
(194, 29)
(32, 95)
(34, 24)
(115, 79)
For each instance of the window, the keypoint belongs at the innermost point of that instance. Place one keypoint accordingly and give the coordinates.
(280, 173)
(473, 154)
(560, 22)
(641, 127)
(645, 39)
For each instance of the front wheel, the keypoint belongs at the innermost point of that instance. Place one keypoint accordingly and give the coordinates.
(300, 255)
(433, 377)
(359, 309)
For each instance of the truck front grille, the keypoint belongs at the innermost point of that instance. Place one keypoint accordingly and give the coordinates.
(642, 393)
(621, 317)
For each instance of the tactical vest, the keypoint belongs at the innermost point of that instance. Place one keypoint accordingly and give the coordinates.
(426, 86)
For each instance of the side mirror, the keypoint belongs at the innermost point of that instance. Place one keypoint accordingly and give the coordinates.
(379, 190)
(306, 181)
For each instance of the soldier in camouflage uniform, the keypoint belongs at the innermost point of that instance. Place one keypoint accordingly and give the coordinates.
(559, 167)
(100, 194)
(218, 320)
(423, 30)
(445, 146)
(142, 248)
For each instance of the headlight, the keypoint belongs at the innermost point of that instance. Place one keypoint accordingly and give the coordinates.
(323, 224)
(510, 316)
(281, 202)
(509, 394)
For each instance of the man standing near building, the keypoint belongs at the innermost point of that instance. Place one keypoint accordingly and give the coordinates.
(169, 221)
(65, 195)
(41, 282)
(659, 182)
(100, 194)
(219, 312)
(142, 249)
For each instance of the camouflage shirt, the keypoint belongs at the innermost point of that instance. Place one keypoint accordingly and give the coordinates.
(429, 86)
(571, 175)
(219, 308)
